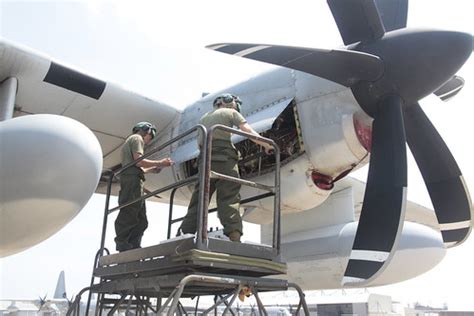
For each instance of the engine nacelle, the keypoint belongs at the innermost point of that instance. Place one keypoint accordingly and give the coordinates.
(49, 168)
(317, 259)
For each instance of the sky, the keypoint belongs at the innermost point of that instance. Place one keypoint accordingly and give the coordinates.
(156, 48)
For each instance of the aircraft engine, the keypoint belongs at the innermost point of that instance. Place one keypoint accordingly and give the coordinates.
(317, 258)
(386, 66)
(49, 168)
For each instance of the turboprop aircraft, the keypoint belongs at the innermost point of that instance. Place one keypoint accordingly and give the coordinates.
(44, 305)
(330, 111)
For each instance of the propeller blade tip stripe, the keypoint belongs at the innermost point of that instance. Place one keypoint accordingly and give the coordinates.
(351, 280)
(216, 46)
(450, 244)
(455, 225)
(251, 50)
(231, 49)
(369, 255)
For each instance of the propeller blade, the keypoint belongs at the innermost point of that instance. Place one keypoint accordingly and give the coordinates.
(367, 20)
(341, 66)
(450, 88)
(42, 301)
(443, 179)
(383, 209)
(357, 20)
(393, 13)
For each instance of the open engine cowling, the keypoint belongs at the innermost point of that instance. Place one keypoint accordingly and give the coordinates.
(49, 168)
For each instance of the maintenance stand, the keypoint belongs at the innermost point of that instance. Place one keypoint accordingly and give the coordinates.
(189, 266)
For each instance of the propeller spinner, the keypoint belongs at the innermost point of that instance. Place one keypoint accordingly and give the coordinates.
(389, 69)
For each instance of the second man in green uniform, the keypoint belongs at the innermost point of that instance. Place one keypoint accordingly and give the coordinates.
(223, 160)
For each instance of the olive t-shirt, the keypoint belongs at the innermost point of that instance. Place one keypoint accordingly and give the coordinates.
(222, 147)
(133, 144)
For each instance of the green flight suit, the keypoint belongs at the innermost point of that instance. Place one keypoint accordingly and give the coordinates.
(223, 160)
(131, 221)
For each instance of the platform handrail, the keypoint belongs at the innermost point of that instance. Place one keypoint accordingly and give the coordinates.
(112, 174)
(179, 219)
(204, 172)
(203, 208)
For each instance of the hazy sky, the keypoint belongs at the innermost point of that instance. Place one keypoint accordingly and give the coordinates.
(156, 48)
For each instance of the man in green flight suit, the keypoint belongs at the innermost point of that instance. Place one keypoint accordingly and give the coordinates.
(223, 160)
(131, 221)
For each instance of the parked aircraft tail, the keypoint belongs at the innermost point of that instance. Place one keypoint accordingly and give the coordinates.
(60, 291)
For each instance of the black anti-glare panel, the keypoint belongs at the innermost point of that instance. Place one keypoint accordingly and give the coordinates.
(74, 81)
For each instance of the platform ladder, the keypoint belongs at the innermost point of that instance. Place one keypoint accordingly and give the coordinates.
(154, 279)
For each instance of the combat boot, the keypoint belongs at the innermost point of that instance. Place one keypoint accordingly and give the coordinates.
(235, 236)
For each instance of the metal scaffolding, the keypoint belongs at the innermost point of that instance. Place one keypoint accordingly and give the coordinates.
(189, 266)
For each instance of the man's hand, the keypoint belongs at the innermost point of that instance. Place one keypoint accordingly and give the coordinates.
(268, 148)
(247, 128)
(165, 163)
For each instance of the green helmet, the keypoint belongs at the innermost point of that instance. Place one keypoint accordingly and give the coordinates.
(227, 98)
(146, 127)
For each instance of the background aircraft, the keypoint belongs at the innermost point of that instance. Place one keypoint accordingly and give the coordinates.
(59, 304)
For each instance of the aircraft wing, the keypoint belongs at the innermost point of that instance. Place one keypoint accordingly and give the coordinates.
(343, 212)
(57, 155)
(414, 212)
(48, 86)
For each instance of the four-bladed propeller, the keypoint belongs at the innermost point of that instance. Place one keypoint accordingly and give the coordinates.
(389, 69)
(42, 301)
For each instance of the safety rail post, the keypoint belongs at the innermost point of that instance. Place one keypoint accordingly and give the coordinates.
(98, 254)
(107, 201)
(276, 201)
(205, 185)
(203, 193)
(170, 213)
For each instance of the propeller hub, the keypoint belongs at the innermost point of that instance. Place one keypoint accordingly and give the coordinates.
(416, 63)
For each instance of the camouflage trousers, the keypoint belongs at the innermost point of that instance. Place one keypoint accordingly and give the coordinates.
(131, 221)
(227, 198)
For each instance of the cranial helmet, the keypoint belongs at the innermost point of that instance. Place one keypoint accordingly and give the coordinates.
(227, 98)
(146, 127)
